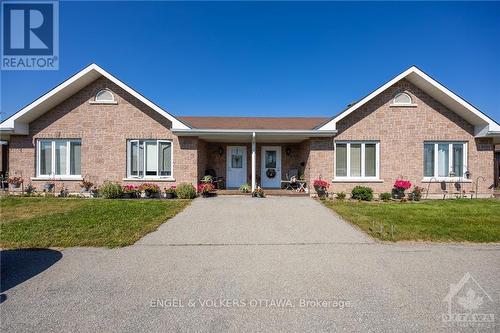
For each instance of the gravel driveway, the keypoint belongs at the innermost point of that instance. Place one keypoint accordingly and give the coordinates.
(242, 264)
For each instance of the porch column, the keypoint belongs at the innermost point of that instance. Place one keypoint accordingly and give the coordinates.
(253, 161)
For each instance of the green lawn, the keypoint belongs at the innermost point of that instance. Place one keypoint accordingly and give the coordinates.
(438, 220)
(56, 222)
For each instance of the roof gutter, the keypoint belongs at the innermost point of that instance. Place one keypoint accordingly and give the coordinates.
(229, 132)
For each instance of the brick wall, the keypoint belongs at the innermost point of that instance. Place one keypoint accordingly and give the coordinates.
(103, 130)
(402, 132)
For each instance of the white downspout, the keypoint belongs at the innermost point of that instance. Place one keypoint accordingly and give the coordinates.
(253, 161)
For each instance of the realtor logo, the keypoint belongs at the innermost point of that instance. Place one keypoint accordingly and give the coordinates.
(30, 35)
(469, 305)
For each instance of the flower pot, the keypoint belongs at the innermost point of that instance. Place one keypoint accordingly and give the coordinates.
(398, 193)
(15, 185)
(169, 195)
(48, 187)
(321, 191)
(129, 195)
(150, 194)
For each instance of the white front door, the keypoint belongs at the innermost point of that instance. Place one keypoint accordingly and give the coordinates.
(236, 166)
(271, 167)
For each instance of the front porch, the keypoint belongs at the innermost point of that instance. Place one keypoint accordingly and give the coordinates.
(265, 164)
(266, 159)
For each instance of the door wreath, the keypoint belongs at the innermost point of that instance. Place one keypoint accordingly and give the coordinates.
(271, 173)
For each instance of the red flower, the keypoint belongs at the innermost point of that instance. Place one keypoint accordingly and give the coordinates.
(402, 184)
(321, 183)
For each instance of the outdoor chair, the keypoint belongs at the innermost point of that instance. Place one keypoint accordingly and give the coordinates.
(291, 177)
(218, 182)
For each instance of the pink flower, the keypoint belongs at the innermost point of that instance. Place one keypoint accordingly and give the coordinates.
(402, 184)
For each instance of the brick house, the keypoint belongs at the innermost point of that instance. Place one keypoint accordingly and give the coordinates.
(94, 126)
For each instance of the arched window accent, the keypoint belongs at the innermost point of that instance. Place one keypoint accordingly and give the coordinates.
(104, 96)
(402, 99)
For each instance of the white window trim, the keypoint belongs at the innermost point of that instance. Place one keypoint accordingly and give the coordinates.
(53, 175)
(165, 178)
(363, 178)
(455, 178)
(396, 104)
(104, 101)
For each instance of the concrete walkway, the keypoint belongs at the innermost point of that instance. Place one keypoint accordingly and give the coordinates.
(245, 220)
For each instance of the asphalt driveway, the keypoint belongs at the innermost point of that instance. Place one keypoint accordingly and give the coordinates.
(252, 270)
(241, 220)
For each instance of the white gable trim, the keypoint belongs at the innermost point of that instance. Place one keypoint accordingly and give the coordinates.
(484, 124)
(15, 124)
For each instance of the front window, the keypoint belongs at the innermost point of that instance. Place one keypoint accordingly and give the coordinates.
(149, 158)
(357, 160)
(59, 158)
(444, 159)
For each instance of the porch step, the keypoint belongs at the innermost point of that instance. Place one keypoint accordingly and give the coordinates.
(282, 193)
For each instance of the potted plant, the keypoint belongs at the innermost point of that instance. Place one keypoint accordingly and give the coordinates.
(48, 186)
(170, 192)
(30, 190)
(321, 186)
(416, 193)
(205, 189)
(258, 193)
(400, 186)
(63, 192)
(94, 192)
(245, 188)
(150, 190)
(130, 191)
(15, 182)
(86, 185)
(207, 179)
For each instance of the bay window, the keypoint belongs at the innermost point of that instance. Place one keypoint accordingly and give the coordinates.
(445, 159)
(357, 160)
(58, 158)
(149, 158)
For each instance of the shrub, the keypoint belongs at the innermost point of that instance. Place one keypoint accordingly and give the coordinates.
(258, 193)
(149, 187)
(186, 191)
(386, 196)
(362, 193)
(86, 184)
(111, 190)
(245, 188)
(416, 193)
(171, 190)
(341, 196)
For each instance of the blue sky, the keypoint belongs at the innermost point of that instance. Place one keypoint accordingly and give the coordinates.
(272, 59)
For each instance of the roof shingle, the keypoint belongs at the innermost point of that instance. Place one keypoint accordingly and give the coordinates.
(257, 123)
